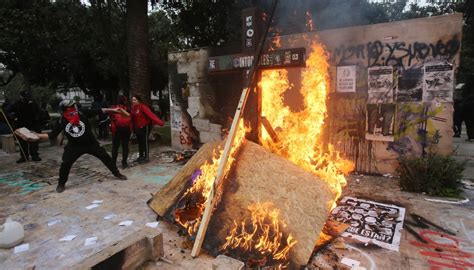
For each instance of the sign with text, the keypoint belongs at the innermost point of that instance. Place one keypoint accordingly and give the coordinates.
(346, 79)
(273, 59)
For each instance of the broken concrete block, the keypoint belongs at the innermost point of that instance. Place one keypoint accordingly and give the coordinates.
(223, 262)
(206, 136)
(215, 128)
(201, 124)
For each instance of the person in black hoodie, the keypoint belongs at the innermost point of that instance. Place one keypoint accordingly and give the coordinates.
(80, 140)
(26, 113)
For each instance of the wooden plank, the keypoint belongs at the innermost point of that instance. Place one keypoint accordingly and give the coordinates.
(133, 251)
(169, 194)
(259, 176)
(269, 129)
(220, 172)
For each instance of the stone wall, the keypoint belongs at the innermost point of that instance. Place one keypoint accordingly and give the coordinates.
(192, 100)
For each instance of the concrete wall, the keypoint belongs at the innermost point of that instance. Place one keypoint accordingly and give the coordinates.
(192, 100)
(420, 127)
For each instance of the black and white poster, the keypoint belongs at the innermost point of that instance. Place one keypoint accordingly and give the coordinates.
(176, 118)
(380, 85)
(438, 82)
(346, 79)
(410, 84)
(369, 221)
(380, 122)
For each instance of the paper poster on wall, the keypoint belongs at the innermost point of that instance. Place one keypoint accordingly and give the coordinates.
(438, 82)
(410, 84)
(346, 79)
(371, 222)
(380, 85)
(176, 118)
(380, 122)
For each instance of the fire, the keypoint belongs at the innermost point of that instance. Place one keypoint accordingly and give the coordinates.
(309, 21)
(196, 196)
(300, 134)
(261, 236)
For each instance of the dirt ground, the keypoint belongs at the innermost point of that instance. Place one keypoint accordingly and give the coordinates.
(27, 195)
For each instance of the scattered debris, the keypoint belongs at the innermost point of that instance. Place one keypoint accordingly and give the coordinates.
(68, 238)
(126, 223)
(152, 224)
(98, 201)
(350, 262)
(21, 248)
(110, 216)
(92, 206)
(90, 241)
(176, 156)
(54, 222)
(388, 175)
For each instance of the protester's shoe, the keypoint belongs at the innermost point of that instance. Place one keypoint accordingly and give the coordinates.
(60, 188)
(143, 161)
(125, 165)
(120, 176)
(36, 158)
(21, 160)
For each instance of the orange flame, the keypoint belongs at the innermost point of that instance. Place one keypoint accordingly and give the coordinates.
(261, 235)
(300, 133)
(309, 21)
(203, 183)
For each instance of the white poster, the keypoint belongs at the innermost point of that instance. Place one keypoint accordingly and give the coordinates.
(346, 79)
(438, 82)
(369, 221)
(380, 85)
(176, 118)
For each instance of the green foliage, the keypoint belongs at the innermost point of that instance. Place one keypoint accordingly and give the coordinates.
(434, 174)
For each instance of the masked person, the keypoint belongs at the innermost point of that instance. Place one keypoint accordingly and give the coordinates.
(142, 118)
(121, 130)
(26, 113)
(80, 140)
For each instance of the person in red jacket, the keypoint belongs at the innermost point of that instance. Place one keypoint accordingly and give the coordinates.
(121, 130)
(142, 118)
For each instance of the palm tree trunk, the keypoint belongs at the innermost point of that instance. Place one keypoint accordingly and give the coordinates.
(137, 46)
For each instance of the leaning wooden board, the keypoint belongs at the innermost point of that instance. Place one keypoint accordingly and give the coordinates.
(169, 194)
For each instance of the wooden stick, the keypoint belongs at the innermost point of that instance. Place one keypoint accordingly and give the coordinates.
(268, 127)
(14, 135)
(210, 204)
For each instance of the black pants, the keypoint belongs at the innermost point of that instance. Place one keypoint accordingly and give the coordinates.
(469, 127)
(121, 136)
(29, 148)
(72, 153)
(142, 139)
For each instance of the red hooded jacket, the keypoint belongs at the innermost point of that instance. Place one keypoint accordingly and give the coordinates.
(142, 116)
(118, 120)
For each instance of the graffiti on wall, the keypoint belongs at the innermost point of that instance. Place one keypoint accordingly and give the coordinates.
(380, 53)
(416, 131)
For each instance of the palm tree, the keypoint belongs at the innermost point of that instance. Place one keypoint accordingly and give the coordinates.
(137, 47)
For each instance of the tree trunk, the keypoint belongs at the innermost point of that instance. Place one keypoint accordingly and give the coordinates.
(137, 46)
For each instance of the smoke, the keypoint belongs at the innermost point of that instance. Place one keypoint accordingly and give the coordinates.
(291, 15)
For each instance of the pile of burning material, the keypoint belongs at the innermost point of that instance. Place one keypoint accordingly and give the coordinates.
(271, 211)
(273, 200)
